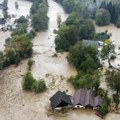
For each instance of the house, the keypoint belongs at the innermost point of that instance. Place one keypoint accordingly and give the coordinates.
(89, 99)
(60, 100)
(98, 101)
(85, 98)
(79, 98)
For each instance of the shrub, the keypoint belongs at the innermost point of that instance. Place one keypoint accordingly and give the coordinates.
(28, 81)
(116, 99)
(30, 63)
(104, 109)
(39, 86)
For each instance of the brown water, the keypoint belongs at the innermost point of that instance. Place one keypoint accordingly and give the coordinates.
(16, 104)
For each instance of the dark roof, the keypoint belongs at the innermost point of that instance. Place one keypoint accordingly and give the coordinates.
(86, 97)
(98, 101)
(89, 100)
(90, 43)
(2, 21)
(58, 98)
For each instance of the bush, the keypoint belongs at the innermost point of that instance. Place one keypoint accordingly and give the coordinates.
(102, 17)
(116, 99)
(30, 63)
(104, 109)
(39, 86)
(88, 81)
(28, 81)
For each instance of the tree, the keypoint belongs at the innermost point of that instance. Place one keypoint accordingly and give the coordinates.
(68, 5)
(16, 5)
(89, 81)
(67, 36)
(59, 20)
(86, 29)
(30, 63)
(84, 58)
(104, 109)
(28, 81)
(40, 19)
(107, 51)
(102, 17)
(22, 45)
(113, 80)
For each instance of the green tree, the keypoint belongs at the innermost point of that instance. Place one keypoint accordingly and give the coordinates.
(113, 80)
(104, 109)
(86, 29)
(40, 19)
(28, 81)
(23, 45)
(107, 51)
(10, 53)
(68, 5)
(89, 81)
(102, 17)
(80, 56)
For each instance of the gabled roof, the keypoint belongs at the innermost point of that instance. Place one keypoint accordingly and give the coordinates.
(79, 97)
(89, 98)
(86, 97)
(98, 101)
(58, 98)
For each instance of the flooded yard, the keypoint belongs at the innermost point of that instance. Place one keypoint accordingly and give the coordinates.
(16, 104)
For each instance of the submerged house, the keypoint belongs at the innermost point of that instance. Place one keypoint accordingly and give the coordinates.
(85, 98)
(60, 100)
(98, 101)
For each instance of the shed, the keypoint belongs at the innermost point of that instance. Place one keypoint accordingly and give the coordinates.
(98, 101)
(60, 100)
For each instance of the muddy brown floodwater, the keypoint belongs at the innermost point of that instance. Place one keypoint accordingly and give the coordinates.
(16, 104)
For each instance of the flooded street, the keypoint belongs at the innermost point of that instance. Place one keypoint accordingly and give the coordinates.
(16, 104)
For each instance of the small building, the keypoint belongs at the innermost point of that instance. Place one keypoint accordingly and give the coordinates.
(79, 98)
(60, 100)
(89, 100)
(85, 98)
(98, 101)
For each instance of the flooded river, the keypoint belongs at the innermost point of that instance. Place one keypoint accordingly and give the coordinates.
(16, 104)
